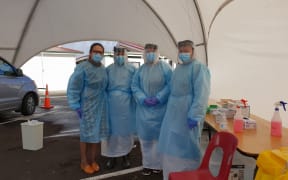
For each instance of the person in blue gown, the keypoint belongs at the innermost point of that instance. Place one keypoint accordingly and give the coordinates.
(179, 140)
(150, 89)
(121, 110)
(87, 96)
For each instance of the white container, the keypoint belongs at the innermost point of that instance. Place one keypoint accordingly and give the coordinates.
(32, 135)
(223, 124)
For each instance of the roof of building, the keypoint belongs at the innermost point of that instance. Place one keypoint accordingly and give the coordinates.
(59, 49)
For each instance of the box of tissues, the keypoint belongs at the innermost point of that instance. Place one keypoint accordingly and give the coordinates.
(249, 123)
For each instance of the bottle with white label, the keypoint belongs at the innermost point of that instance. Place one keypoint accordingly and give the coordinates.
(223, 122)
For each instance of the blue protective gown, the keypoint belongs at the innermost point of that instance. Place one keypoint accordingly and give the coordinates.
(190, 89)
(121, 111)
(151, 81)
(86, 90)
(121, 102)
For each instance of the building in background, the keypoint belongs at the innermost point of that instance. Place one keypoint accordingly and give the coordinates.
(53, 67)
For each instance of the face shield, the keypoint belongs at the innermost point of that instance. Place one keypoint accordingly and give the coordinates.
(185, 54)
(120, 55)
(151, 54)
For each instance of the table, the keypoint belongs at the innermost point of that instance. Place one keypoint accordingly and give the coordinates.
(253, 141)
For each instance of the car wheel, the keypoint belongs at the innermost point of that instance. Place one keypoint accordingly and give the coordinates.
(28, 104)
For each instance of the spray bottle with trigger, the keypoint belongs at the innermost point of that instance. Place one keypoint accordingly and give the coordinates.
(246, 109)
(276, 122)
(244, 101)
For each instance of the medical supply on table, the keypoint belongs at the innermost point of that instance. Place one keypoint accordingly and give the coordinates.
(276, 121)
(249, 123)
(238, 121)
(245, 108)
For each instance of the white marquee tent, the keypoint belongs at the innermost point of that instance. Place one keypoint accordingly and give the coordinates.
(244, 42)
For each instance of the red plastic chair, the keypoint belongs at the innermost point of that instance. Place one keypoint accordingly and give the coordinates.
(228, 142)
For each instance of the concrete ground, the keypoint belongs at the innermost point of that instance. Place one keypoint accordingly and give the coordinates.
(59, 157)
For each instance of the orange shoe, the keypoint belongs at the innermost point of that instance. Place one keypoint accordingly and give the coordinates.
(87, 169)
(95, 166)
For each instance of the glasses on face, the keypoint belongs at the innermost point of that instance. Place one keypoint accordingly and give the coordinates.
(97, 52)
(185, 43)
(151, 46)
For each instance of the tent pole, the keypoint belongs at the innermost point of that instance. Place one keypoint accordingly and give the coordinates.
(203, 29)
(24, 31)
(162, 22)
(217, 12)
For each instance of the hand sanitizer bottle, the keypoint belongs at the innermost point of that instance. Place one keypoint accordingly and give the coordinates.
(238, 121)
(276, 121)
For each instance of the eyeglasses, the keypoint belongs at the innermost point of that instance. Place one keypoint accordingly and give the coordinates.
(185, 43)
(151, 46)
(98, 52)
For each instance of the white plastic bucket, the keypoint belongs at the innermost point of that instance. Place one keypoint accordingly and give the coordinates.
(32, 135)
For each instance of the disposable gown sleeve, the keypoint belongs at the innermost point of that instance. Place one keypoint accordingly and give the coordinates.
(163, 95)
(75, 88)
(201, 85)
(138, 94)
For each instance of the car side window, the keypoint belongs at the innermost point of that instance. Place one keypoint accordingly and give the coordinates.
(6, 69)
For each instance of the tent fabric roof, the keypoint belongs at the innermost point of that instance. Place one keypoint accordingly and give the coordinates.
(31, 26)
(244, 42)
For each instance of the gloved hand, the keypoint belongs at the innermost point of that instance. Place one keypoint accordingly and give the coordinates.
(148, 102)
(192, 123)
(152, 101)
(155, 100)
(79, 113)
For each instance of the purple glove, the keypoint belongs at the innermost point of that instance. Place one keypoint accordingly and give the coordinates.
(79, 112)
(192, 123)
(148, 102)
(152, 101)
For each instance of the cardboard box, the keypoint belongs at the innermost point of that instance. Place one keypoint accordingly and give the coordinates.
(249, 123)
(245, 111)
(236, 172)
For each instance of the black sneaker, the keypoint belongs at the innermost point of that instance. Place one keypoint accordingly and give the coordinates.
(111, 163)
(125, 162)
(156, 171)
(146, 172)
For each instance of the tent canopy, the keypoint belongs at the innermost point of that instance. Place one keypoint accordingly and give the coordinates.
(244, 42)
(30, 26)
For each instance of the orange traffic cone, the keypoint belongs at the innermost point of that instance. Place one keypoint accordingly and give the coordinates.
(47, 104)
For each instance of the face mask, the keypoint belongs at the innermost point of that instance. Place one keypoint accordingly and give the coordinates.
(185, 57)
(120, 60)
(97, 57)
(150, 57)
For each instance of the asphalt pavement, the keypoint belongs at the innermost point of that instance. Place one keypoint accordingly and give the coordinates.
(59, 158)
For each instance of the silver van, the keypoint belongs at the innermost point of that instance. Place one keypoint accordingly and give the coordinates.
(17, 91)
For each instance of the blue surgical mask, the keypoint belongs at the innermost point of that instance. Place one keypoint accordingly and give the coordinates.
(120, 60)
(150, 57)
(185, 57)
(97, 57)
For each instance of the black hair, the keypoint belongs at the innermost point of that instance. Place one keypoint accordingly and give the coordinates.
(119, 49)
(96, 44)
(150, 45)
